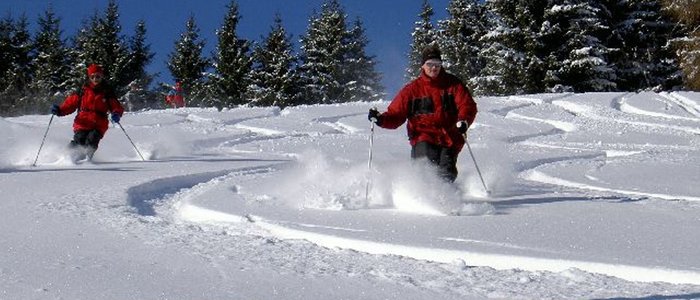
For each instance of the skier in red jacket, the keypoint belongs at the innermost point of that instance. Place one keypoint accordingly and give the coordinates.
(439, 110)
(175, 97)
(93, 102)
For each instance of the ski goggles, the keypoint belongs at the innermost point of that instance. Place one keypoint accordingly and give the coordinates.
(433, 63)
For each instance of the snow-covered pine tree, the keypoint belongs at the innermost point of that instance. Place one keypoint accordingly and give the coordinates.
(529, 15)
(687, 12)
(505, 60)
(329, 59)
(6, 30)
(360, 79)
(187, 65)
(232, 63)
(647, 60)
(49, 61)
(522, 21)
(140, 56)
(49, 54)
(460, 38)
(115, 53)
(100, 41)
(322, 55)
(275, 81)
(577, 60)
(16, 70)
(423, 34)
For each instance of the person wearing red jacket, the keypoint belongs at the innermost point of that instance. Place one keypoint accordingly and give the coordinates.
(175, 97)
(95, 100)
(439, 109)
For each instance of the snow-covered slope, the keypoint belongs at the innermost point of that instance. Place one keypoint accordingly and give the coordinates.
(592, 196)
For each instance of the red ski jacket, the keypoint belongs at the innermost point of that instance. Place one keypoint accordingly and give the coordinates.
(93, 105)
(432, 106)
(175, 98)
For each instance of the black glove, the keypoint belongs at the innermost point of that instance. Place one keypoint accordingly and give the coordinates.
(116, 118)
(462, 127)
(373, 116)
(55, 109)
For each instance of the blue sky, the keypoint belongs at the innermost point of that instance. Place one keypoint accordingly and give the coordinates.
(388, 23)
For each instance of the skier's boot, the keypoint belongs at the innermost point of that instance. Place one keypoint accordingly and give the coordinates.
(77, 152)
(90, 152)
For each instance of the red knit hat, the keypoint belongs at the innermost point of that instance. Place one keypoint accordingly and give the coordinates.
(94, 68)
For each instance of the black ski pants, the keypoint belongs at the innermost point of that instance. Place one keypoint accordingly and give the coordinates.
(86, 138)
(443, 158)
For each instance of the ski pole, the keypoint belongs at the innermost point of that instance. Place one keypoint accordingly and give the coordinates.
(132, 142)
(42, 141)
(369, 162)
(475, 164)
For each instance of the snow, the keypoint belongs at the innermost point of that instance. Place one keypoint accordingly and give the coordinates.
(593, 195)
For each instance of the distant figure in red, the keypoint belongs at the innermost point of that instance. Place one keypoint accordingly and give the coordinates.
(94, 102)
(174, 98)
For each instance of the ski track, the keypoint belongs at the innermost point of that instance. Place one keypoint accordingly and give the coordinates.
(164, 210)
(593, 114)
(537, 176)
(686, 104)
(528, 171)
(191, 212)
(622, 105)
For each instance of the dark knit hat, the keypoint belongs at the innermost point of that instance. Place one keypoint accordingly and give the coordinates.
(430, 52)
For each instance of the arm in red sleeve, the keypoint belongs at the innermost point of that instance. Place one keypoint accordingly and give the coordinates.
(397, 112)
(466, 107)
(115, 106)
(69, 105)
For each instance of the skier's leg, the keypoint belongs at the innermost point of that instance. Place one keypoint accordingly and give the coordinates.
(79, 138)
(444, 159)
(77, 145)
(92, 140)
(447, 168)
(426, 150)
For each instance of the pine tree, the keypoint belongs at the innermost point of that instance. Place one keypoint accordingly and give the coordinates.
(22, 44)
(6, 102)
(322, 55)
(529, 15)
(79, 56)
(687, 12)
(361, 81)
(140, 56)
(274, 77)
(7, 28)
(423, 35)
(6, 31)
(504, 53)
(334, 65)
(577, 60)
(100, 42)
(116, 51)
(49, 61)
(187, 65)
(137, 94)
(231, 61)
(648, 60)
(513, 51)
(460, 38)
(15, 41)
